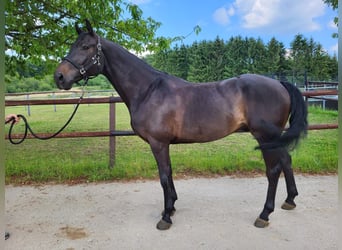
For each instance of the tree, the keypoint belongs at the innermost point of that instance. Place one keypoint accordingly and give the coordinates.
(216, 60)
(256, 60)
(37, 31)
(198, 59)
(183, 62)
(237, 56)
(300, 55)
(275, 57)
(310, 56)
(334, 5)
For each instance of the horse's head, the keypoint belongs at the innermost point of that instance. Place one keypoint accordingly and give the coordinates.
(84, 60)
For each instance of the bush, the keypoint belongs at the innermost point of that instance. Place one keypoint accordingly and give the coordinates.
(15, 84)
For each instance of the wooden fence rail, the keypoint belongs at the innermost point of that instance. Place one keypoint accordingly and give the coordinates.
(113, 133)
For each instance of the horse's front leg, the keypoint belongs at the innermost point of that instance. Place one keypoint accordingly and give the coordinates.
(161, 154)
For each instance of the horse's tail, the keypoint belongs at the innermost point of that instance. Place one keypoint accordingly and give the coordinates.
(297, 120)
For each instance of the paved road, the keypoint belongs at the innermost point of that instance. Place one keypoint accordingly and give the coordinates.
(213, 213)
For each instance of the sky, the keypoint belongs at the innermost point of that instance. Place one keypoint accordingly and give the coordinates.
(282, 19)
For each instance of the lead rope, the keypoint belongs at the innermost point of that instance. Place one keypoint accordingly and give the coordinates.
(28, 127)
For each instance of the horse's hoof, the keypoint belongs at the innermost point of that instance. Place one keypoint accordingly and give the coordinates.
(288, 206)
(163, 225)
(260, 223)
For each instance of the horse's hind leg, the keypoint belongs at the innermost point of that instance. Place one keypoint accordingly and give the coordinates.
(273, 170)
(290, 182)
(265, 132)
(277, 160)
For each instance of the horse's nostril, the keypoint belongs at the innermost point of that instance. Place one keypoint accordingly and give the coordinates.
(60, 76)
(59, 79)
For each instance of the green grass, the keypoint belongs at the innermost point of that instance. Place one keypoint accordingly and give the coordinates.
(86, 159)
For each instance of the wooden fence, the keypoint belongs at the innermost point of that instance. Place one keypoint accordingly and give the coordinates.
(112, 132)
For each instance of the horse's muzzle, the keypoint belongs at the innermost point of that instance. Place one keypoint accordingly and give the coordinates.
(61, 81)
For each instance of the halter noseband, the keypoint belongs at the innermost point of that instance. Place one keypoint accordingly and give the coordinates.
(94, 60)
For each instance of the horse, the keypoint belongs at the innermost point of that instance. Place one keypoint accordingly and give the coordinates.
(165, 110)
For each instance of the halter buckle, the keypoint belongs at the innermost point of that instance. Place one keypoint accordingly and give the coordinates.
(96, 60)
(82, 71)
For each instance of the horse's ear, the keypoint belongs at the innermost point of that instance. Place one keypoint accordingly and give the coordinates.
(89, 28)
(79, 31)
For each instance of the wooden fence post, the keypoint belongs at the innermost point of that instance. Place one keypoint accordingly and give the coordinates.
(112, 128)
(28, 106)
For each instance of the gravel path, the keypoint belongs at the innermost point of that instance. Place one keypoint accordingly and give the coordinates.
(212, 213)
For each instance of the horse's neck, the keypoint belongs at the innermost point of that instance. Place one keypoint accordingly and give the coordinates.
(129, 75)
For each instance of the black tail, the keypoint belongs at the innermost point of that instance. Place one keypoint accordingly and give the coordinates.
(298, 121)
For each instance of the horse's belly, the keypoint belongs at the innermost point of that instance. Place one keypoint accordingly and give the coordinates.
(204, 133)
(209, 126)
(196, 139)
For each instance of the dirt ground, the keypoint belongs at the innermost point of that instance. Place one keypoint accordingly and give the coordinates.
(212, 213)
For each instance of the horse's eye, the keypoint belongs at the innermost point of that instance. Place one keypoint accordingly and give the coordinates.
(85, 47)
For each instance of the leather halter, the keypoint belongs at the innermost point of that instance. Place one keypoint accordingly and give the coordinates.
(96, 59)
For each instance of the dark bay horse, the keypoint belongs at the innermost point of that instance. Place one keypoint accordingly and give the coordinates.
(165, 110)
